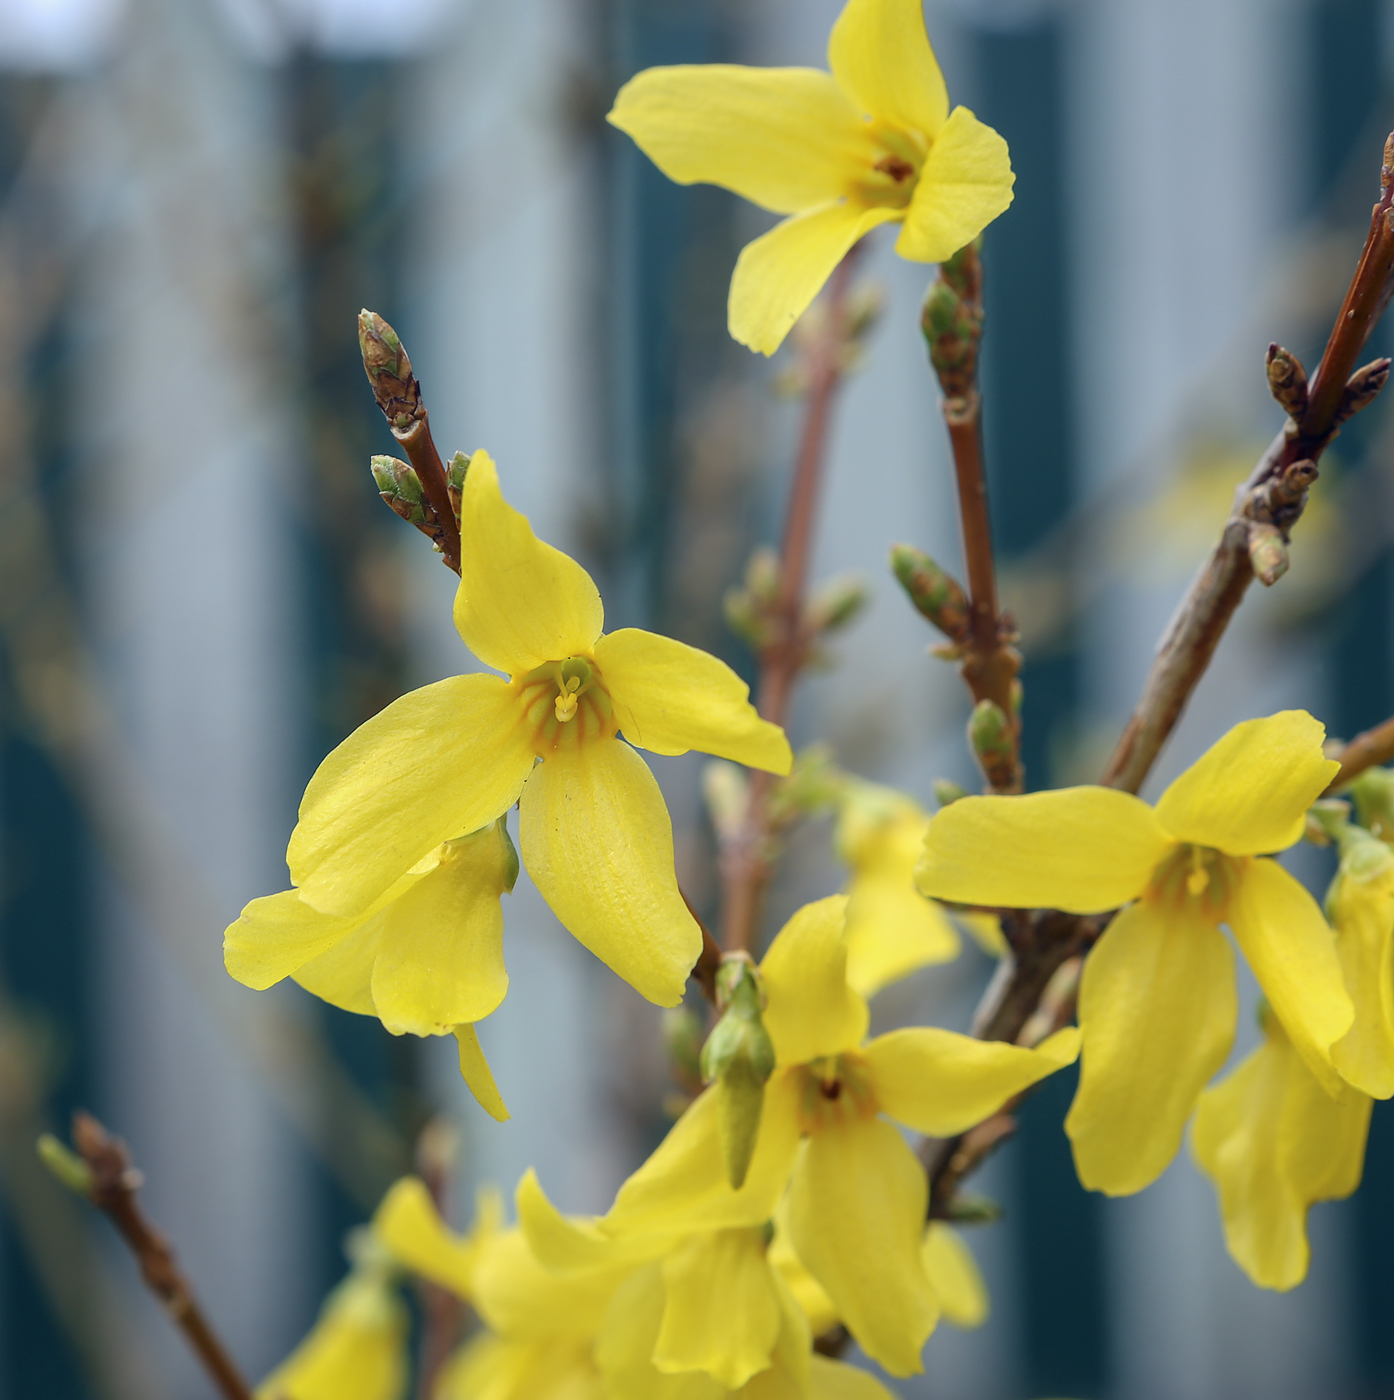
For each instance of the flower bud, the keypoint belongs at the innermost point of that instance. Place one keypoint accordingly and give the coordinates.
(388, 367)
(990, 735)
(739, 1057)
(1362, 389)
(1373, 792)
(835, 603)
(1287, 381)
(1268, 552)
(400, 489)
(936, 595)
(455, 481)
(952, 329)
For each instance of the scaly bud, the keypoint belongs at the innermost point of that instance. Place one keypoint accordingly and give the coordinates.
(389, 372)
(455, 481)
(937, 595)
(952, 330)
(1373, 792)
(65, 1165)
(1361, 390)
(1287, 381)
(835, 603)
(400, 489)
(1268, 552)
(993, 740)
(739, 1058)
(947, 792)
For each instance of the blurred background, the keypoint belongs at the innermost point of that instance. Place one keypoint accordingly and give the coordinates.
(200, 592)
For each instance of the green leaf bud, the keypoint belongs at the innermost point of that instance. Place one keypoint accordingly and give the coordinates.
(65, 1165)
(936, 594)
(835, 603)
(1373, 792)
(947, 792)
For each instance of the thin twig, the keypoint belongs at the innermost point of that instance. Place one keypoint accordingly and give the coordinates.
(745, 862)
(1367, 750)
(443, 1314)
(114, 1185)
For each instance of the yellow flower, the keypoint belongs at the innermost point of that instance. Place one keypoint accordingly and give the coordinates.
(858, 1195)
(1157, 1000)
(953, 1275)
(451, 758)
(1274, 1142)
(873, 142)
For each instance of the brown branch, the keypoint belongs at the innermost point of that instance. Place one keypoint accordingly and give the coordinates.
(1367, 750)
(398, 395)
(443, 1315)
(745, 861)
(114, 1185)
(708, 962)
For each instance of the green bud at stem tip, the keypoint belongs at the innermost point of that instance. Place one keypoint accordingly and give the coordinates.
(65, 1165)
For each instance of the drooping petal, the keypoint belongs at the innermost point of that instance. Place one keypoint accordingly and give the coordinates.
(880, 54)
(1322, 1140)
(1157, 1007)
(1292, 952)
(856, 1213)
(495, 1368)
(475, 1071)
(683, 1186)
(408, 1223)
(1083, 849)
(1249, 793)
(810, 1295)
(441, 958)
(598, 843)
(721, 1313)
(836, 1380)
(520, 602)
(892, 931)
(624, 1347)
(953, 1274)
(780, 273)
(567, 1243)
(964, 184)
(516, 1296)
(788, 1376)
(1363, 914)
(811, 1010)
(670, 697)
(783, 138)
(276, 935)
(343, 974)
(439, 762)
(939, 1082)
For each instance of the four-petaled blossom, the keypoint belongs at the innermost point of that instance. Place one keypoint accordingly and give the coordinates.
(858, 1196)
(873, 142)
(451, 758)
(1157, 1003)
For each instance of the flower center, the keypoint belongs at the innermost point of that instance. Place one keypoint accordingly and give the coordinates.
(566, 704)
(833, 1089)
(895, 166)
(1199, 877)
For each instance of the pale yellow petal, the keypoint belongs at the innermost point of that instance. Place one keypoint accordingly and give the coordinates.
(517, 1297)
(1363, 914)
(780, 273)
(520, 602)
(783, 138)
(953, 1274)
(810, 1295)
(835, 1380)
(1322, 1140)
(407, 1222)
(1157, 1006)
(964, 184)
(811, 1011)
(856, 1213)
(1249, 793)
(880, 54)
(475, 1071)
(598, 843)
(440, 962)
(683, 1186)
(1083, 849)
(1292, 952)
(343, 974)
(624, 1347)
(276, 935)
(670, 698)
(441, 761)
(493, 1368)
(939, 1082)
(721, 1313)
(566, 1243)
(788, 1376)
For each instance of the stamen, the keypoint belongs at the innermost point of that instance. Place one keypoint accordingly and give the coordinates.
(567, 699)
(1199, 879)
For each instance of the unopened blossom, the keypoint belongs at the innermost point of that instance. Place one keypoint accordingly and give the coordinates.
(872, 142)
(858, 1196)
(449, 760)
(1274, 1142)
(1157, 1002)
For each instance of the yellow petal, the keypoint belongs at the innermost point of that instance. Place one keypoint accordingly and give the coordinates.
(810, 1295)
(1083, 849)
(964, 184)
(475, 1071)
(683, 1186)
(1249, 793)
(954, 1276)
(566, 1243)
(517, 1297)
(407, 1222)
(1321, 1140)
(939, 1082)
(357, 1349)
(1292, 952)
(1157, 1006)
(670, 698)
(598, 844)
(624, 1348)
(780, 273)
(789, 1374)
(343, 974)
(439, 762)
(783, 138)
(986, 931)
(811, 1010)
(880, 54)
(520, 602)
(1363, 914)
(493, 1368)
(441, 958)
(856, 1213)
(835, 1380)
(721, 1313)
(276, 935)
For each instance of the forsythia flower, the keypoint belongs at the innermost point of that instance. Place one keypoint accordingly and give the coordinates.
(1157, 1004)
(858, 1197)
(451, 758)
(873, 142)
(1274, 1142)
